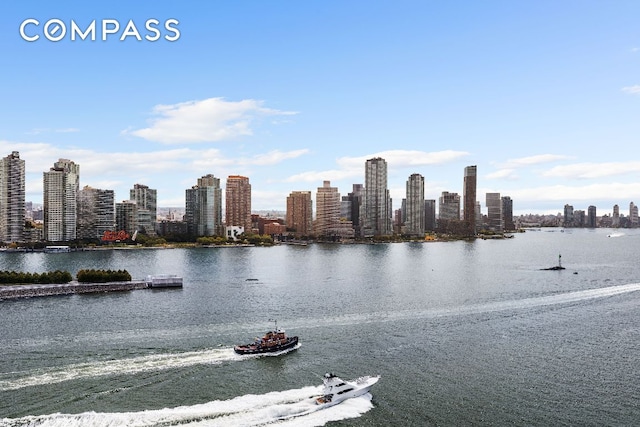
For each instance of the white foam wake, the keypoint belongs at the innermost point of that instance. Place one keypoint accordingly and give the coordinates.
(555, 299)
(134, 365)
(471, 309)
(215, 356)
(285, 408)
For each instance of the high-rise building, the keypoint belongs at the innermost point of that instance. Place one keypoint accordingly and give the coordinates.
(615, 220)
(96, 212)
(377, 201)
(61, 186)
(449, 206)
(414, 221)
(469, 196)
(146, 199)
(352, 208)
(238, 202)
(494, 212)
(633, 214)
(127, 216)
(430, 215)
(12, 195)
(507, 213)
(203, 207)
(300, 213)
(327, 210)
(568, 220)
(591, 217)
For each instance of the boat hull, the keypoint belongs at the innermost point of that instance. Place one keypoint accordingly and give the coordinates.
(359, 388)
(259, 349)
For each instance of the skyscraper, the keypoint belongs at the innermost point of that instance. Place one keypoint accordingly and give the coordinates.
(203, 207)
(430, 215)
(96, 212)
(146, 199)
(352, 208)
(633, 214)
(238, 202)
(61, 185)
(12, 195)
(415, 208)
(449, 206)
(507, 213)
(591, 217)
(469, 196)
(568, 218)
(615, 220)
(494, 212)
(327, 210)
(127, 216)
(300, 213)
(377, 201)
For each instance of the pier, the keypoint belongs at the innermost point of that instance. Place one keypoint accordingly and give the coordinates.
(30, 291)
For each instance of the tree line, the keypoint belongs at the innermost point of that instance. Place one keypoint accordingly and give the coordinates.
(14, 277)
(103, 276)
(58, 277)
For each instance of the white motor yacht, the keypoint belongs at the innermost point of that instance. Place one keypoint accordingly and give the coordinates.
(336, 390)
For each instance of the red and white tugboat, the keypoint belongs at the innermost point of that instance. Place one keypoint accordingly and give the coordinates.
(272, 342)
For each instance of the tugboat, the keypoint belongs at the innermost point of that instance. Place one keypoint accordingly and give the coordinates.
(272, 342)
(336, 390)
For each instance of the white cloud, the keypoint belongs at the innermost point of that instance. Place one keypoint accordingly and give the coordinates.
(634, 90)
(276, 156)
(265, 199)
(405, 158)
(120, 170)
(593, 170)
(208, 120)
(328, 175)
(508, 174)
(349, 167)
(532, 160)
(615, 192)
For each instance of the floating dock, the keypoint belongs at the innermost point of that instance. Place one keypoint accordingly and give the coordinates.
(164, 281)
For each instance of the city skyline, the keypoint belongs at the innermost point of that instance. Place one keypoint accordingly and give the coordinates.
(469, 170)
(543, 97)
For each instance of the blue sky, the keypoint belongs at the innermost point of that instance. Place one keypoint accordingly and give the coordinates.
(543, 96)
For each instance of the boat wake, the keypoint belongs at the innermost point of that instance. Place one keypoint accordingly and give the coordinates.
(617, 234)
(285, 408)
(157, 362)
(565, 298)
(128, 366)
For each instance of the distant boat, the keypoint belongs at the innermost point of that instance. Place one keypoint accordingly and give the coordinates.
(272, 342)
(57, 249)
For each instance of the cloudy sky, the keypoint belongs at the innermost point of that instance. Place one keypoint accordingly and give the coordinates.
(543, 96)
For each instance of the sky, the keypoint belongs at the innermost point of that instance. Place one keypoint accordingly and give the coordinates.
(542, 96)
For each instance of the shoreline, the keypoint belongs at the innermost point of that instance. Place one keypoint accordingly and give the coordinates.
(74, 287)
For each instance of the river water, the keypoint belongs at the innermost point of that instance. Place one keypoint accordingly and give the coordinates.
(461, 333)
